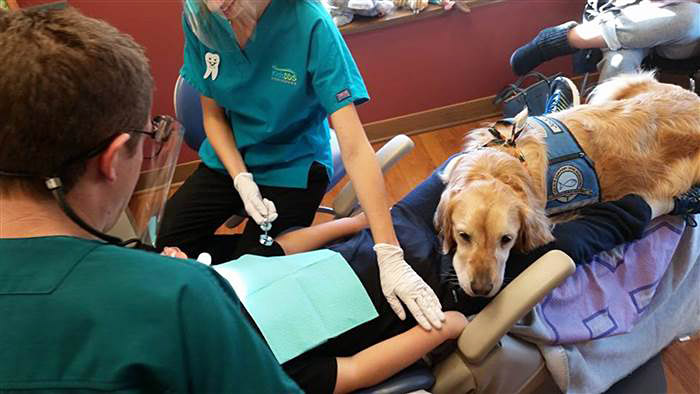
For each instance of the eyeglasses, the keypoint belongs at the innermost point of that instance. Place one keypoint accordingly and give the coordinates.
(162, 128)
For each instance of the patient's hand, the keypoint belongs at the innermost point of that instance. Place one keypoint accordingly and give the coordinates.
(173, 251)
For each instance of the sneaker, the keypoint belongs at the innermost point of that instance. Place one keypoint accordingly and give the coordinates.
(563, 94)
(687, 205)
(596, 7)
(549, 43)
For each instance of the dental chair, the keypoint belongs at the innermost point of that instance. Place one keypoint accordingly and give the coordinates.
(486, 359)
(493, 357)
(519, 344)
(188, 111)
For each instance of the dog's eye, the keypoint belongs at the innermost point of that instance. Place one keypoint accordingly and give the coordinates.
(506, 239)
(465, 237)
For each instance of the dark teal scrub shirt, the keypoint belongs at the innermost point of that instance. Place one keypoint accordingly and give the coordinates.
(81, 315)
(279, 90)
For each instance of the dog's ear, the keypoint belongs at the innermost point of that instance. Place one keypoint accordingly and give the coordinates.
(443, 220)
(521, 119)
(535, 228)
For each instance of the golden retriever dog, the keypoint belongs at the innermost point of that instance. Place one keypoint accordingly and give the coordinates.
(642, 135)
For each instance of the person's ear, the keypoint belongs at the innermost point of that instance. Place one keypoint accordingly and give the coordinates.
(108, 158)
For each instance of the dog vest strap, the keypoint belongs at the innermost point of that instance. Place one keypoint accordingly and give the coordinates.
(572, 181)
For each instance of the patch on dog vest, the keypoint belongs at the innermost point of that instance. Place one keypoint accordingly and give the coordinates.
(571, 178)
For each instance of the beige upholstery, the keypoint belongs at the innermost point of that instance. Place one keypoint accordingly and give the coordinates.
(489, 361)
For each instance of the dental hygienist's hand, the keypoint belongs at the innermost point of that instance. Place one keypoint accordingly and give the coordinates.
(260, 209)
(400, 282)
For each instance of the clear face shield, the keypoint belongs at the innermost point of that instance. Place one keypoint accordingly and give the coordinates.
(213, 21)
(160, 152)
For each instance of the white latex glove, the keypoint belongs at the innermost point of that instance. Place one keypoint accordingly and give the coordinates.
(204, 258)
(400, 281)
(260, 209)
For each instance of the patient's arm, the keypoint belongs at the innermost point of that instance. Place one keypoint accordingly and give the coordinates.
(597, 228)
(382, 360)
(319, 235)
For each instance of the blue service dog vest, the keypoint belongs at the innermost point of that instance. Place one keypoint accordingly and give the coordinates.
(571, 178)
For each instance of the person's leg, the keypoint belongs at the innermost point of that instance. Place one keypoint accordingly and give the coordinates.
(673, 31)
(295, 207)
(586, 35)
(645, 25)
(620, 62)
(548, 44)
(650, 26)
(196, 210)
(685, 32)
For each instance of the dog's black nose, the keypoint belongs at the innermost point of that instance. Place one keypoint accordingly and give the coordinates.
(481, 289)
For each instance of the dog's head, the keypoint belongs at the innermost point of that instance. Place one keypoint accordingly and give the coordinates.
(487, 208)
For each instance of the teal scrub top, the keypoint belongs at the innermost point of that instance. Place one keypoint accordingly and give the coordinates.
(279, 90)
(82, 315)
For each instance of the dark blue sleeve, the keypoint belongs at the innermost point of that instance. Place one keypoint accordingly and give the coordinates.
(597, 228)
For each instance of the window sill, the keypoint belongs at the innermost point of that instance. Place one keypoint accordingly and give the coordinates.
(362, 24)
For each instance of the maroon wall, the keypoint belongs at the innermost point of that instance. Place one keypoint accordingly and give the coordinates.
(451, 58)
(408, 68)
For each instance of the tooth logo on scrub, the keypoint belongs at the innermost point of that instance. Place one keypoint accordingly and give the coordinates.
(212, 61)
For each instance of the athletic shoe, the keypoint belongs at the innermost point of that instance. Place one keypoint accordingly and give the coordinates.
(549, 43)
(687, 205)
(563, 94)
(596, 7)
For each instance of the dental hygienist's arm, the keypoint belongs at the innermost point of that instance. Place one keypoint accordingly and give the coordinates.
(399, 281)
(366, 176)
(220, 135)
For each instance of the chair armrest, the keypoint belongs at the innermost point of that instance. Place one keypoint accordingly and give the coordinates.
(387, 156)
(512, 303)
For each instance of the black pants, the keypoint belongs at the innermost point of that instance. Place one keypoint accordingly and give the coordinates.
(207, 199)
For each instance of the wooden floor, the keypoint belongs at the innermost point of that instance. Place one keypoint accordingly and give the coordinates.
(681, 360)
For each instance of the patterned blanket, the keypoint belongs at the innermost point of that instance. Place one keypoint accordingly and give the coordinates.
(615, 313)
(609, 295)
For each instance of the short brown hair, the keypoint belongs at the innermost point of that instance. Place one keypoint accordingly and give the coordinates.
(67, 83)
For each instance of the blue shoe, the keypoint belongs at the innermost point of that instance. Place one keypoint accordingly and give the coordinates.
(596, 7)
(563, 94)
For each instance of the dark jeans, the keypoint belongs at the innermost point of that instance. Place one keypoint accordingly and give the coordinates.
(207, 199)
